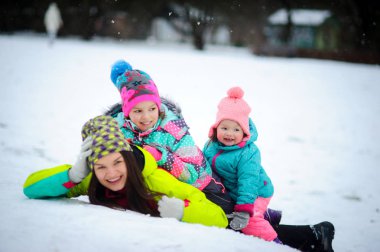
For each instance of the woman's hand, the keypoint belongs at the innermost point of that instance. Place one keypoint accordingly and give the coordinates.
(171, 207)
(80, 169)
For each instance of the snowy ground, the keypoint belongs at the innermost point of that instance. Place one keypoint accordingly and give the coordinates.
(318, 124)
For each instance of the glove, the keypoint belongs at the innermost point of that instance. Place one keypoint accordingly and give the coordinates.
(80, 169)
(239, 220)
(171, 207)
(155, 153)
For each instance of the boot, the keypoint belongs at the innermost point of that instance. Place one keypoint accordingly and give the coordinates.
(273, 216)
(324, 232)
(276, 240)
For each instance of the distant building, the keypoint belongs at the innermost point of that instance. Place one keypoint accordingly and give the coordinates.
(307, 29)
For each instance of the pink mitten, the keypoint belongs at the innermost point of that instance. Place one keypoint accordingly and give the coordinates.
(155, 153)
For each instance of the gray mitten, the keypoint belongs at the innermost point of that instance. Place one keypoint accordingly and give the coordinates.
(80, 170)
(171, 207)
(239, 220)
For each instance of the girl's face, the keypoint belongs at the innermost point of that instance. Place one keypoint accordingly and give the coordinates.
(144, 115)
(111, 171)
(229, 132)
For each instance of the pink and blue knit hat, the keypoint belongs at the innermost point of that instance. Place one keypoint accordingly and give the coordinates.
(135, 86)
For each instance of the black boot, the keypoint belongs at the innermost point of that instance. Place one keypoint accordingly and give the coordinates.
(324, 233)
(273, 216)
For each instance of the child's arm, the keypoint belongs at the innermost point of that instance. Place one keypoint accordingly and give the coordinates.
(185, 161)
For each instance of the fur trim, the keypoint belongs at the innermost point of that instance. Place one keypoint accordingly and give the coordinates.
(172, 106)
(113, 109)
(244, 208)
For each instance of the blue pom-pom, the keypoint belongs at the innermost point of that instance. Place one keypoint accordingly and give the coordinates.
(118, 68)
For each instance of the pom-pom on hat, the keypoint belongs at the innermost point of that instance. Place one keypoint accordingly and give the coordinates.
(233, 107)
(107, 138)
(135, 86)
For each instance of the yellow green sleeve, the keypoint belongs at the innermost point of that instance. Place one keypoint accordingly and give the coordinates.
(54, 182)
(198, 208)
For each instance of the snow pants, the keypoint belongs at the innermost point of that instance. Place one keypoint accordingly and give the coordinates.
(296, 236)
(257, 225)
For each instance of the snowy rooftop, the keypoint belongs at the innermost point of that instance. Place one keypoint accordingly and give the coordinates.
(300, 17)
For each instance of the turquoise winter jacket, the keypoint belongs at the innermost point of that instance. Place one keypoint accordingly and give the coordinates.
(180, 156)
(240, 168)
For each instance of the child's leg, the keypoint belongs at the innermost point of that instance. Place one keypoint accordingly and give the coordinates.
(307, 237)
(257, 225)
(216, 193)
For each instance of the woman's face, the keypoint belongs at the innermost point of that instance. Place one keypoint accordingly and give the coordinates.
(229, 132)
(111, 171)
(144, 115)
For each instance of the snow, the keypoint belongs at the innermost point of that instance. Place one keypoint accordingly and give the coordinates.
(318, 124)
(300, 17)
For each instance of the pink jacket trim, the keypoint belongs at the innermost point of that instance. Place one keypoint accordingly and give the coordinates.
(244, 208)
(187, 202)
(69, 184)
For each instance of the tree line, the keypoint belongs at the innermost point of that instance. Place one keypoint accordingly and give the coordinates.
(246, 20)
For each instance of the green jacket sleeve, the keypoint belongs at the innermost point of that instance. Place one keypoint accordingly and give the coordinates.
(198, 209)
(54, 182)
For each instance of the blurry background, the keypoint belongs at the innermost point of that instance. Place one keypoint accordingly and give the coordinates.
(345, 30)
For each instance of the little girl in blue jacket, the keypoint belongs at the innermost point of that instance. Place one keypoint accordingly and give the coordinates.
(233, 155)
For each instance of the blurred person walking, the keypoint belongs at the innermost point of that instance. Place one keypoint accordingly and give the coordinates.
(53, 21)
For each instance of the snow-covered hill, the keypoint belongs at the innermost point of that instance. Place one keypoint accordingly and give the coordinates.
(318, 124)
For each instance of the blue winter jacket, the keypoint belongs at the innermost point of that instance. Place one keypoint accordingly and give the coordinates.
(240, 168)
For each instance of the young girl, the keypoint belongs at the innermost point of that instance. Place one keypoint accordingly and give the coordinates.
(157, 125)
(126, 177)
(236, 159)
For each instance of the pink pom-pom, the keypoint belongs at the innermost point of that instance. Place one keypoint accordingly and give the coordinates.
(235, 92)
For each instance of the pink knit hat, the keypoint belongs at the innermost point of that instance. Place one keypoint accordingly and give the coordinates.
(233, 107)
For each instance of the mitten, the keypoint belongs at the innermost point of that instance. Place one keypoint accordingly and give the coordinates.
(171, 207)
(239, 220)
(155, 153)
(80, 169)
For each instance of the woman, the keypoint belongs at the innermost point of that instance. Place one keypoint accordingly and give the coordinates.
(126, 177)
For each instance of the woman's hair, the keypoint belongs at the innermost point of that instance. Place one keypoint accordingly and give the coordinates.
(139, 197)
(214, 137)
(161, 114)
